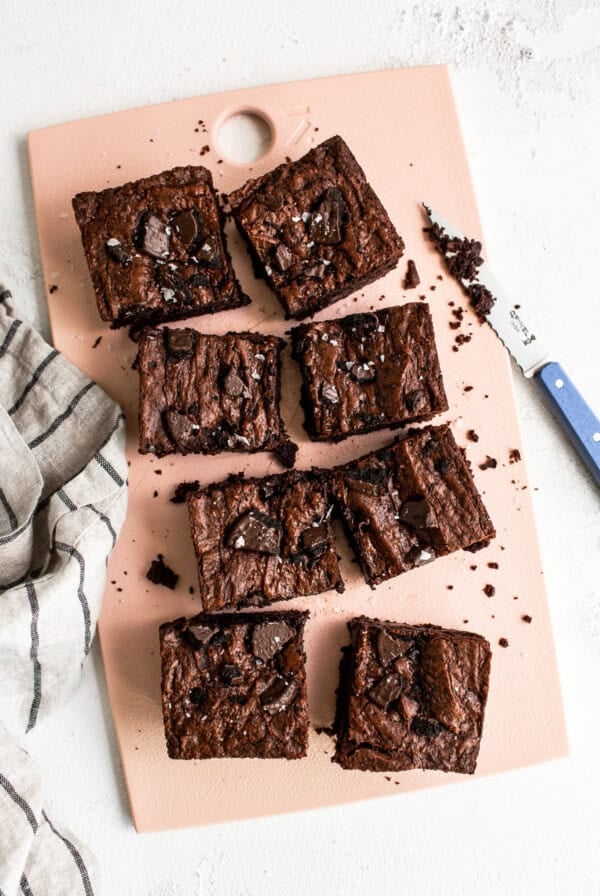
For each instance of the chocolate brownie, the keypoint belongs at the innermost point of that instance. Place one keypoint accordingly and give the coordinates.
(368, 371)
(411, 696)
(234, 685)
(205, 394)
(156, 249)
(315, 229)
(262, 540)
(409, 503)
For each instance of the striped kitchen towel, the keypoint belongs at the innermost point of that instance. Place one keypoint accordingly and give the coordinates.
(62, 502)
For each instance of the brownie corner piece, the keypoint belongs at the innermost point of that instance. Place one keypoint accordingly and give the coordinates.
(156, 248)
(411, 696)
(258, 541)
(315, 229)
(408, 503)
(368, 371)
(205, 393)
(234, 686)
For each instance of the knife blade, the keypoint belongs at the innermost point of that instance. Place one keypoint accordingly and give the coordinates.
(523, 343)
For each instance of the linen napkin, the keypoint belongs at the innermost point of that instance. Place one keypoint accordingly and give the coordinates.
(63, 497)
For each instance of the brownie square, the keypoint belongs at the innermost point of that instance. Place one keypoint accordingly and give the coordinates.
(369, 371)
(234, 685)
(409, 503)
(411, 696)
(262, 540)
(156, 249)
(203, 394)
(315, 229)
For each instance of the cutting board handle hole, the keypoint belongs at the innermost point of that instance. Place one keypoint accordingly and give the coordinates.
(244, 136)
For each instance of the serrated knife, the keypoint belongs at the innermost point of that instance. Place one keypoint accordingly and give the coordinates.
(570, 409)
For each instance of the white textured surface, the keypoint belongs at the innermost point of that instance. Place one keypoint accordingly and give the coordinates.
(527, 79)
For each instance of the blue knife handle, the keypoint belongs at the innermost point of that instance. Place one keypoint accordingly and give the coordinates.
(574, 415)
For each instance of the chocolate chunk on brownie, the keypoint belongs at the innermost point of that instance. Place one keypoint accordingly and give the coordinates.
(262, 540)
(411, 696)
(205, 394)
(409, 503)
(234, 685)
(368, 371)
(156, 249)
(315, 229)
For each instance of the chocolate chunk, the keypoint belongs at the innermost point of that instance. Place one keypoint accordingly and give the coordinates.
(268, 638)
(180, 343)
(282, 258)
(330, 393)
(326, 222)
(426, 727)
(386, 690)
(184, 489)
(315, 539)
(197, 696)
(490, 463)
(415, 400)
(363, 373)
(416, 513)
(233, 385)
(316, 270)
(184, 430)
(443, 465)
(231, 673)
(161, 574)
(116, 252)
(154, 237)
(186, 227)
(273, 201)
(278, 696)
(209, 253)
(172, 286)
(199, 635)
(412, 279)
(255, 531)
(389, 648)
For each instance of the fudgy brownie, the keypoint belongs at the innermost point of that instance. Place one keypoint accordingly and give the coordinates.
(411, 696)
(409, 503)
(234, 685)
(205, 394)
(262, 540)
(368, 371)
(315, 229)
(156, 249)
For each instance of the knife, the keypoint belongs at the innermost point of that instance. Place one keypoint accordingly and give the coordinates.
(570, 409)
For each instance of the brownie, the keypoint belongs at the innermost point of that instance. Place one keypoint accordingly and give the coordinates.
(411, 696)
(368, 371)
(234, 685)
(203, 394)
(410, 502)
(156, 249)
(262, 540)
(315, 229)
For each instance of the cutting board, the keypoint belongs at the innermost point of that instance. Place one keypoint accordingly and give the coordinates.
(403, 128)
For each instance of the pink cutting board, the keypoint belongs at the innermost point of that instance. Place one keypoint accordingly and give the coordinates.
(403, 128)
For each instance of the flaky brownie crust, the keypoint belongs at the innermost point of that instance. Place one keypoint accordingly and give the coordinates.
(156, 249)
(368, 371)
(234, 685)
(315, 228)
(407, 504)
(205, 394)
(411, 697)
(262, 540)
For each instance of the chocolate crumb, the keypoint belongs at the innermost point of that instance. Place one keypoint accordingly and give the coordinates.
(472, 436)
(97, 342)
(526, 618)
(503, 642)
(514, 456)
(489, 590)
(412, 279)
(182, 490)
(490, 463)
(161, 574)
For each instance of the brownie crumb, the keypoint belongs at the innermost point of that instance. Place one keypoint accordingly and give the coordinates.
(97, 342)
(463, 260)
(526, 618)
(492, 565)
(514, 456)
(450, 587)
(192, 589)
(490, 463)
(468, 389)
(503, 642)
(472, 436)
(53, 288)
(454, 324)
(325, 729)
(155, 494)
(161, 574)
(465, 621)
(412, 279)
(423, 298)
(473, 567)
(489, 590)
(182, 490)
(158, 472)
(205, 149)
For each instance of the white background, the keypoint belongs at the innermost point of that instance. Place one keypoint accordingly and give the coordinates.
(526, 75)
